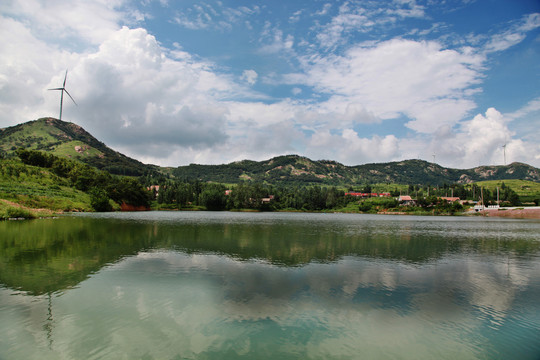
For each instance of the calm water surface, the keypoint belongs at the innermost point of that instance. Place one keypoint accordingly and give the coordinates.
(183, 285)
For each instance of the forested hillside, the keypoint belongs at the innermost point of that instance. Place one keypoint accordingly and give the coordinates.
(42, 180)
(294, 170)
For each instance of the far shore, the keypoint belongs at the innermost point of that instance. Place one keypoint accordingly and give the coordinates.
(513, 212)
(23, 212)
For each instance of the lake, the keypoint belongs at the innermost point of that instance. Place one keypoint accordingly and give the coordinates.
(225, 285)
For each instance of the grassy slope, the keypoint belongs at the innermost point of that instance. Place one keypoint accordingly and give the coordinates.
(37, 188)
(521, 187)
(527, 190)
(38, 135)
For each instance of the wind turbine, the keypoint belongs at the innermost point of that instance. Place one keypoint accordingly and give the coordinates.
(504, 152)
(62, 89)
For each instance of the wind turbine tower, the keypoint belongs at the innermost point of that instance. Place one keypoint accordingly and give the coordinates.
(504, 152)
(63, 89)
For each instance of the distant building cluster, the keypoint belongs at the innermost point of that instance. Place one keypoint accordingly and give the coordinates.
(367, 195)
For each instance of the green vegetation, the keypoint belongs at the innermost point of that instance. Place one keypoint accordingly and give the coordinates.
(42, 180)
(294, 170)
(38, 188)
(527, 191)
(99, 200)
(15, 212)
(257, 196)
(71, 141)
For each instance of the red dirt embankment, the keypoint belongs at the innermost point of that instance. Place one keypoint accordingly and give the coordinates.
(517, 213)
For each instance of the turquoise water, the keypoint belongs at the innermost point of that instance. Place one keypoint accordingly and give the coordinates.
(203, 285)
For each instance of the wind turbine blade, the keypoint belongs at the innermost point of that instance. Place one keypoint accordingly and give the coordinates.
(56, 89)
(70, 97)
(65, 78)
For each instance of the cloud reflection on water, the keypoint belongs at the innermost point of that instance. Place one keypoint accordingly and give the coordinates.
(250, 290)
(356, 297)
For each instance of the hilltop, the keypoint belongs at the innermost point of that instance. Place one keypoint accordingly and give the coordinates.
(71, 141)
(293, 169)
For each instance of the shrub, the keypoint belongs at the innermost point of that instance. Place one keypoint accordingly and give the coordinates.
(364, 206)
(99, 200)
(17, 212)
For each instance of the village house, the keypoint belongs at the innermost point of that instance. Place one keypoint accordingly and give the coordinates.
(153, 189)
(268, 199)
(406, 200)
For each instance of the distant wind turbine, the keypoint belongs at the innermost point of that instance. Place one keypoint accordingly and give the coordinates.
(62, 89)
(504, 152)
(433, 158)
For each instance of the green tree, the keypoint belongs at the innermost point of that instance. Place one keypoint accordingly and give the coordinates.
(510, 195)
(213, 197)
(129, 191)
(365, 206)
(99, 200)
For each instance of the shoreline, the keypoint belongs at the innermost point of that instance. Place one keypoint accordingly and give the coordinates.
(512, 213)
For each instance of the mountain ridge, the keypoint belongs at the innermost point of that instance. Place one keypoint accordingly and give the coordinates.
(72, 141)
(296, 168)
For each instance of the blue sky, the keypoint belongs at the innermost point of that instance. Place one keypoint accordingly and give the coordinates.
(210, 82)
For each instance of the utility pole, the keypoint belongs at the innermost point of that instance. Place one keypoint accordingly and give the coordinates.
(482, 196)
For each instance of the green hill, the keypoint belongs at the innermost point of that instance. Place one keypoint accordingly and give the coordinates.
(71, 141)
(294, 169)
(42, 180)
(37, 188)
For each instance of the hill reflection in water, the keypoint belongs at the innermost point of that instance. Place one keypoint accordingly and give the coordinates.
(51, 255)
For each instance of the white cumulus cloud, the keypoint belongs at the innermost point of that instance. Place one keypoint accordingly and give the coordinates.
(416, 78)
(250, 76)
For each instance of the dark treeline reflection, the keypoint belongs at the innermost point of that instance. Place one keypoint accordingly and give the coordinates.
(45, 256)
